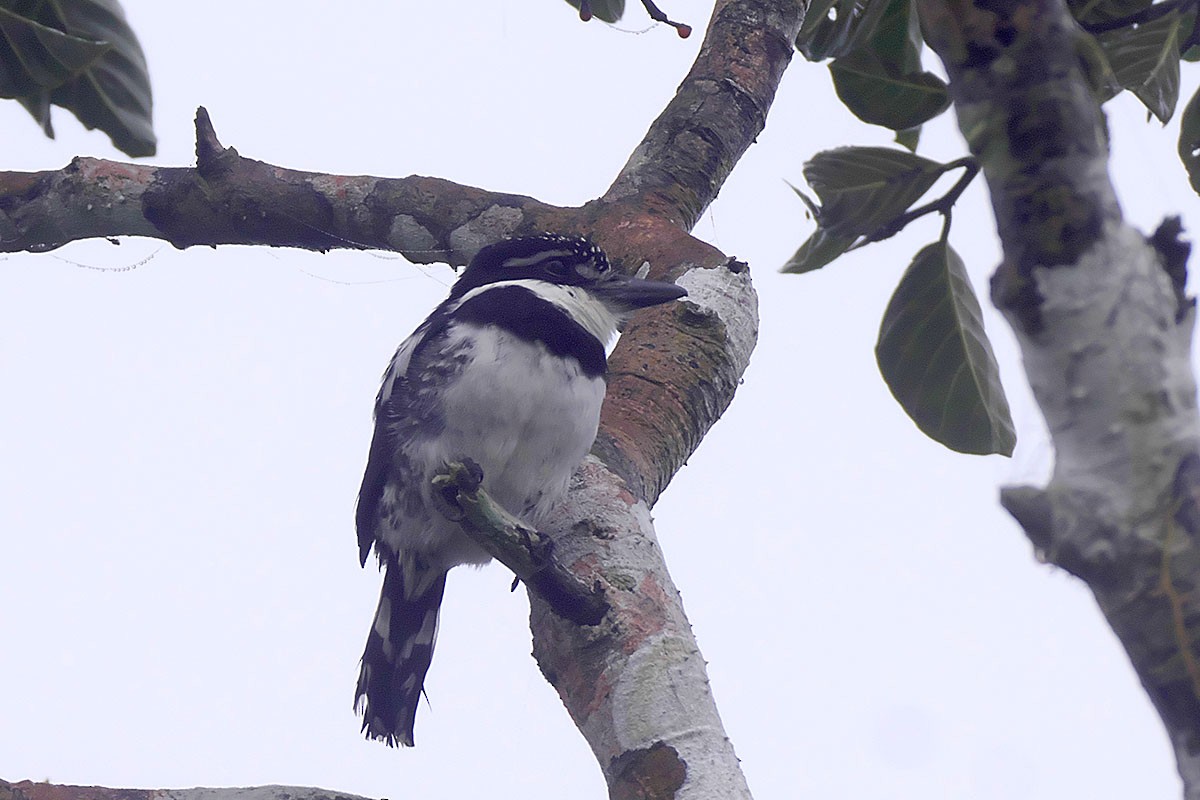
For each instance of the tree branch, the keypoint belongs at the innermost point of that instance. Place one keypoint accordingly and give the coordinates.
(1106, 338)
(717, 113)
(230, 199)
(674, 174)
(640, 697)
(29, 790)
(527, 552)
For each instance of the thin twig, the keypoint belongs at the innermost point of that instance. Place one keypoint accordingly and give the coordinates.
(657, 15)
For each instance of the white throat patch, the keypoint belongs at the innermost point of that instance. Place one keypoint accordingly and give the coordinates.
(578, 303)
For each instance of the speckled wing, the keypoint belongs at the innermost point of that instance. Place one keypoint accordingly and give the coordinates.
(391, 404)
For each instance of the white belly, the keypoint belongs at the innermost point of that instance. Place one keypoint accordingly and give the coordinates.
(526, 417)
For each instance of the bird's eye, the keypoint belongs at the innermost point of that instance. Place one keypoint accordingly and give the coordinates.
(556, 266)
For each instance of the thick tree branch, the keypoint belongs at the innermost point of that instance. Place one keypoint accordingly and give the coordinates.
(230, 199)
(28, 790)
(1106, 335)
(718, 111)
(640, 697)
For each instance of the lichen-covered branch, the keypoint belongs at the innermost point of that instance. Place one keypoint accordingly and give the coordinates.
(639, 694)
(1105, 331)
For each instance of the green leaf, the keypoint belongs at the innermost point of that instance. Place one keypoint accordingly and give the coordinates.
(877, 95)
(1094, 12)
(608, 10)
(1189, 140)
(816, 15)
(936, 358)
(909, 138)
(37, 57)
(111, 92)
(1097, 70)
(840, 28)
(1192, 53)
(896, 42)
(38, 107)
(1145, 60)
(862, 189)
(818, 250)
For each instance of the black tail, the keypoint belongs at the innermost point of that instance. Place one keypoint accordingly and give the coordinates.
(399, 649)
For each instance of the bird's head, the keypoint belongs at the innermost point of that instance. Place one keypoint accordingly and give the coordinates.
(556, 268)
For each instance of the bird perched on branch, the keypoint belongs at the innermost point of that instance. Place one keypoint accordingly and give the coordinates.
(509, 372)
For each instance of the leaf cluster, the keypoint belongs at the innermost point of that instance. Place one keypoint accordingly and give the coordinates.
(932, 350)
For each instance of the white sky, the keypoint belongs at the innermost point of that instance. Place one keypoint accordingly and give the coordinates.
(181, 602)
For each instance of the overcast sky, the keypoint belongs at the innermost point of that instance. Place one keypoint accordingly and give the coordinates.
(183, 433)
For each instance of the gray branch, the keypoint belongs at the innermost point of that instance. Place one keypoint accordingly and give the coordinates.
(1106, 335)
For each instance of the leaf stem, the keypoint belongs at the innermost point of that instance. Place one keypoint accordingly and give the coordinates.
(943, 205)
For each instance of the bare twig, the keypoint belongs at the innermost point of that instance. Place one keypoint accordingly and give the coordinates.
(657, 15)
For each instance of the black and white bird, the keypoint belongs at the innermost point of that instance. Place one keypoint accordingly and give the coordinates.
(508, 371)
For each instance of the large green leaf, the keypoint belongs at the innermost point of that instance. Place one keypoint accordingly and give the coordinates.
(936, 358)
(897, 42)
(876, 94)
(110, 92)
(863, 189)
(36, 57)
(1145, 60)
(816, 15)
(836, 29)
(1189, 140)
